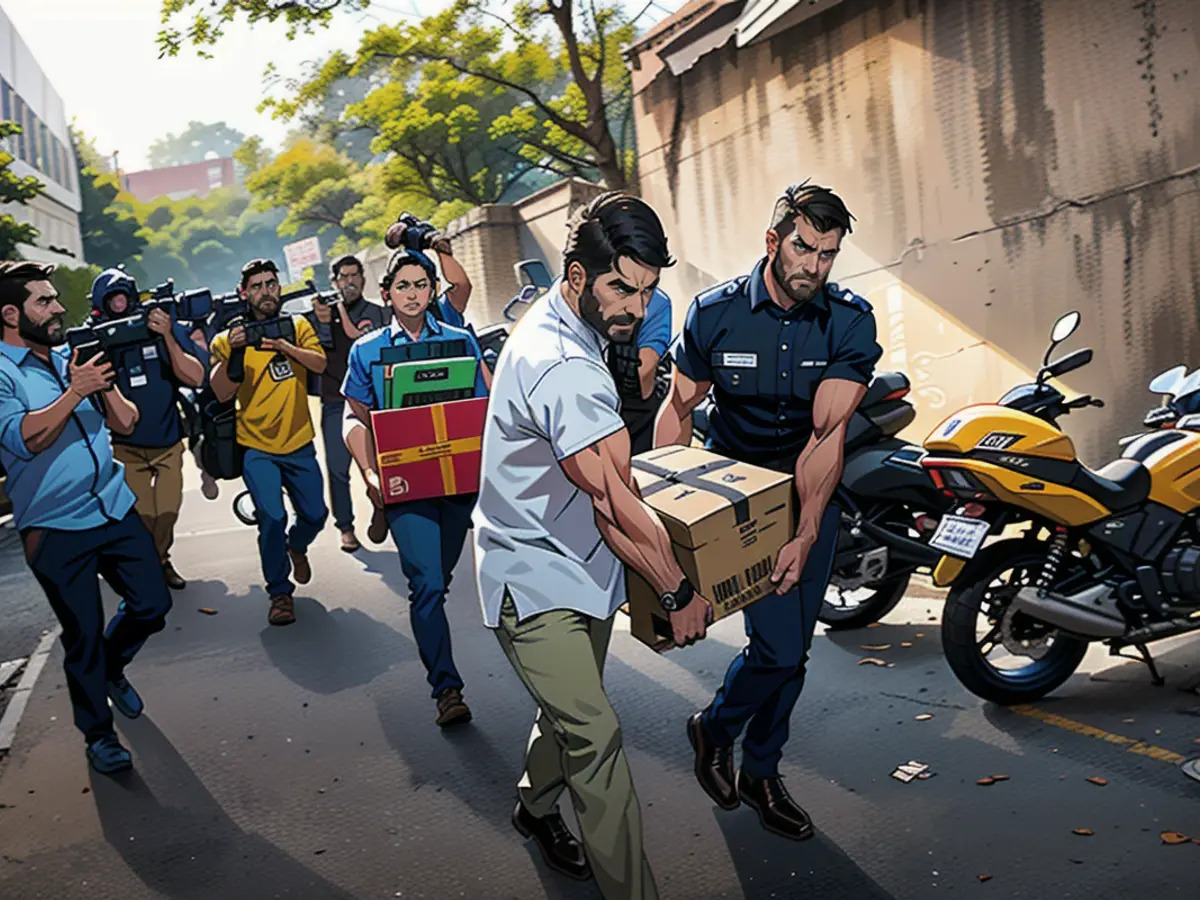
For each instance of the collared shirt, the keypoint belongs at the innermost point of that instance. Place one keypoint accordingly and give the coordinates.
(146, 376)
(366, 316)
(361, 384)
(75, 484)
(535, 531)
(655, 331)
(272, 400)
(765, 363)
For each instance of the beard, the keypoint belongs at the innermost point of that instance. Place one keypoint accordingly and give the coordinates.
(266, 307)
(39, 332)
(590, 312)
(797, 292)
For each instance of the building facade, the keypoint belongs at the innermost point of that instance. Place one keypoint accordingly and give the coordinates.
(179, 182)
(1007, 161)
(43, 150)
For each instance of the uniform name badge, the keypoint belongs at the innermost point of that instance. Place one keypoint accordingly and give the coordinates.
(150, 352)
(740, 360)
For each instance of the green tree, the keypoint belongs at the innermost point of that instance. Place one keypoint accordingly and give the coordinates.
(14, 189)
(575, 124)
(194, 143)
(74, 286)
(314, 183)
(110, 232)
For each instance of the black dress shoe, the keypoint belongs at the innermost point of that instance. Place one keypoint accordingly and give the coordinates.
(559, 848)
(714, 766)
(777, 811)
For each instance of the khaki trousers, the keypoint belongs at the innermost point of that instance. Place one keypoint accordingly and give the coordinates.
(155, 475)
(576, 743)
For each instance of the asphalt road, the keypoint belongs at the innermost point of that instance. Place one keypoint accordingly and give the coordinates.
(303, 762)
(25, 614)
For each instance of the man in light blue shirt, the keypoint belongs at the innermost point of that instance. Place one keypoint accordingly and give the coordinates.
(72, 506)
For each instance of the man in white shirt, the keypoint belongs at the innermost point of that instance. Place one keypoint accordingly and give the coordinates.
(558, 520)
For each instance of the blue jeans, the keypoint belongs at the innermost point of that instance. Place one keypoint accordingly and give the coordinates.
(266, 476)
(764, 680)
(337, 464)
(430, 535)
(69, 565)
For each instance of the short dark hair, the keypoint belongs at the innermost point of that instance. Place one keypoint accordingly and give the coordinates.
(15, 277)
(819, 205)
(405, 257)
(612, 226)
(348, 260)
(257, 267)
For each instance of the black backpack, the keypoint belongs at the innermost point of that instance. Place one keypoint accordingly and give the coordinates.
(221, 455)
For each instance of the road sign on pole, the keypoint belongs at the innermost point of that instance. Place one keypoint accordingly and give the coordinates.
(300, 256)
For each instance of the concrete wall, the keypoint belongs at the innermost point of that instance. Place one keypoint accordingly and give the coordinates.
(1007, 161)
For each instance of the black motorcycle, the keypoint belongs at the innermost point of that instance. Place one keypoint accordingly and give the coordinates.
(890, 508)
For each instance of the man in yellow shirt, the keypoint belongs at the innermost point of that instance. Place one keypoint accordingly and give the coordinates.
(274, 427)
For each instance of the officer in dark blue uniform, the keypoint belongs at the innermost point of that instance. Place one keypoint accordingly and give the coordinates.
(787, 357)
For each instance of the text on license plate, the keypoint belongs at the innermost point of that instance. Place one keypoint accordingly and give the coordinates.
(959, 536)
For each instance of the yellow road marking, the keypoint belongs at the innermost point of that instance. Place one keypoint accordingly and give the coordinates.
(1132, 746)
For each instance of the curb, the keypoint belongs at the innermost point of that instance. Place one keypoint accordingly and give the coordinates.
(20, 697)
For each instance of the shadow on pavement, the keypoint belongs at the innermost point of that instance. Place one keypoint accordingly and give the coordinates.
(184, 845)
(770, 867)
(330, 651)
(384, 560)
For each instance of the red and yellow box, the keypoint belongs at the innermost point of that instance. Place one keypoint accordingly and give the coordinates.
(429, 451)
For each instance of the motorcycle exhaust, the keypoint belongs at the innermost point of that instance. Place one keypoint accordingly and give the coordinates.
(1086, 613)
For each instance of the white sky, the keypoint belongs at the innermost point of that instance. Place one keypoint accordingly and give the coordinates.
(102, 58)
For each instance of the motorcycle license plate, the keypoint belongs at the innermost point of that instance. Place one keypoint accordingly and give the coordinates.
(960, 536)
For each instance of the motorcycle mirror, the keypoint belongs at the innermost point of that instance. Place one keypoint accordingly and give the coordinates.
(1168, 381)
(1068, 363)
(1189, 385)
(1065, 327)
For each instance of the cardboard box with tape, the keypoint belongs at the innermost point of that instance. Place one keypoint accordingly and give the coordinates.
(727, 521)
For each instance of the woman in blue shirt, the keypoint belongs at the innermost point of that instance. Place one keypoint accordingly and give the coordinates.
(429, 534)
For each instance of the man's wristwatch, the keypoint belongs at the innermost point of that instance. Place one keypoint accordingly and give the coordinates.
(674, 601)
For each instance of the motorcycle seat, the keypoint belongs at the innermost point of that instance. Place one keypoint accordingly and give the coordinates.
(1119, 485)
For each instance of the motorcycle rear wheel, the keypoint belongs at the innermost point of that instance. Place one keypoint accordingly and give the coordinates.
(961, 645)
(886, 594)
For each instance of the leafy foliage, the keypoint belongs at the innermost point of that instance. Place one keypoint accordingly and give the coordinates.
(110, 234)
(194, 143)
(74, 286)
(315, 184)
(14, 189)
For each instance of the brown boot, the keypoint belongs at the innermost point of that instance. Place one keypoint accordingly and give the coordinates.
(283, 610)
(378, 531)
(301, 568)
(452, 709)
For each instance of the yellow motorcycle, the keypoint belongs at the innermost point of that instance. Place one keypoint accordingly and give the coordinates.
(1111, 555)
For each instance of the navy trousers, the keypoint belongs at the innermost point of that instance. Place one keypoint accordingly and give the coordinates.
(430, 535)
(764, 681)
(337, 464)
(69, 565)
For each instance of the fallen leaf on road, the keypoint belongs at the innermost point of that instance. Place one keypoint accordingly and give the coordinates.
(207, 611)
(984, 782)
(999, 778)
(1101, 782)
(924, 717)
(1084, 832)
(906, 643)
(318, 852)
(1174, 837)
(983, 878)
(870, 660)
(875, 646)
(920, 634)
(1196, 740)
(875, 625)
(87, 790)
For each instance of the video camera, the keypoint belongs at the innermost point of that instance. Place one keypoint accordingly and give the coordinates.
(226, 309)
(281, 328)
(418, 235)
(191, 307)
(111, 338)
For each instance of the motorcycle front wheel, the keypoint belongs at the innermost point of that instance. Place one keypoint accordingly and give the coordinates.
(878, 599)
(981, 596)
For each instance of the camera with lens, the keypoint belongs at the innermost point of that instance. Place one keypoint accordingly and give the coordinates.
(112, 339)
(192, 307)
(418, 235)
(281, 328)
(227, 310)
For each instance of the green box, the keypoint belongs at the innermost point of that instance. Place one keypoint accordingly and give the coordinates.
(429, 381)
